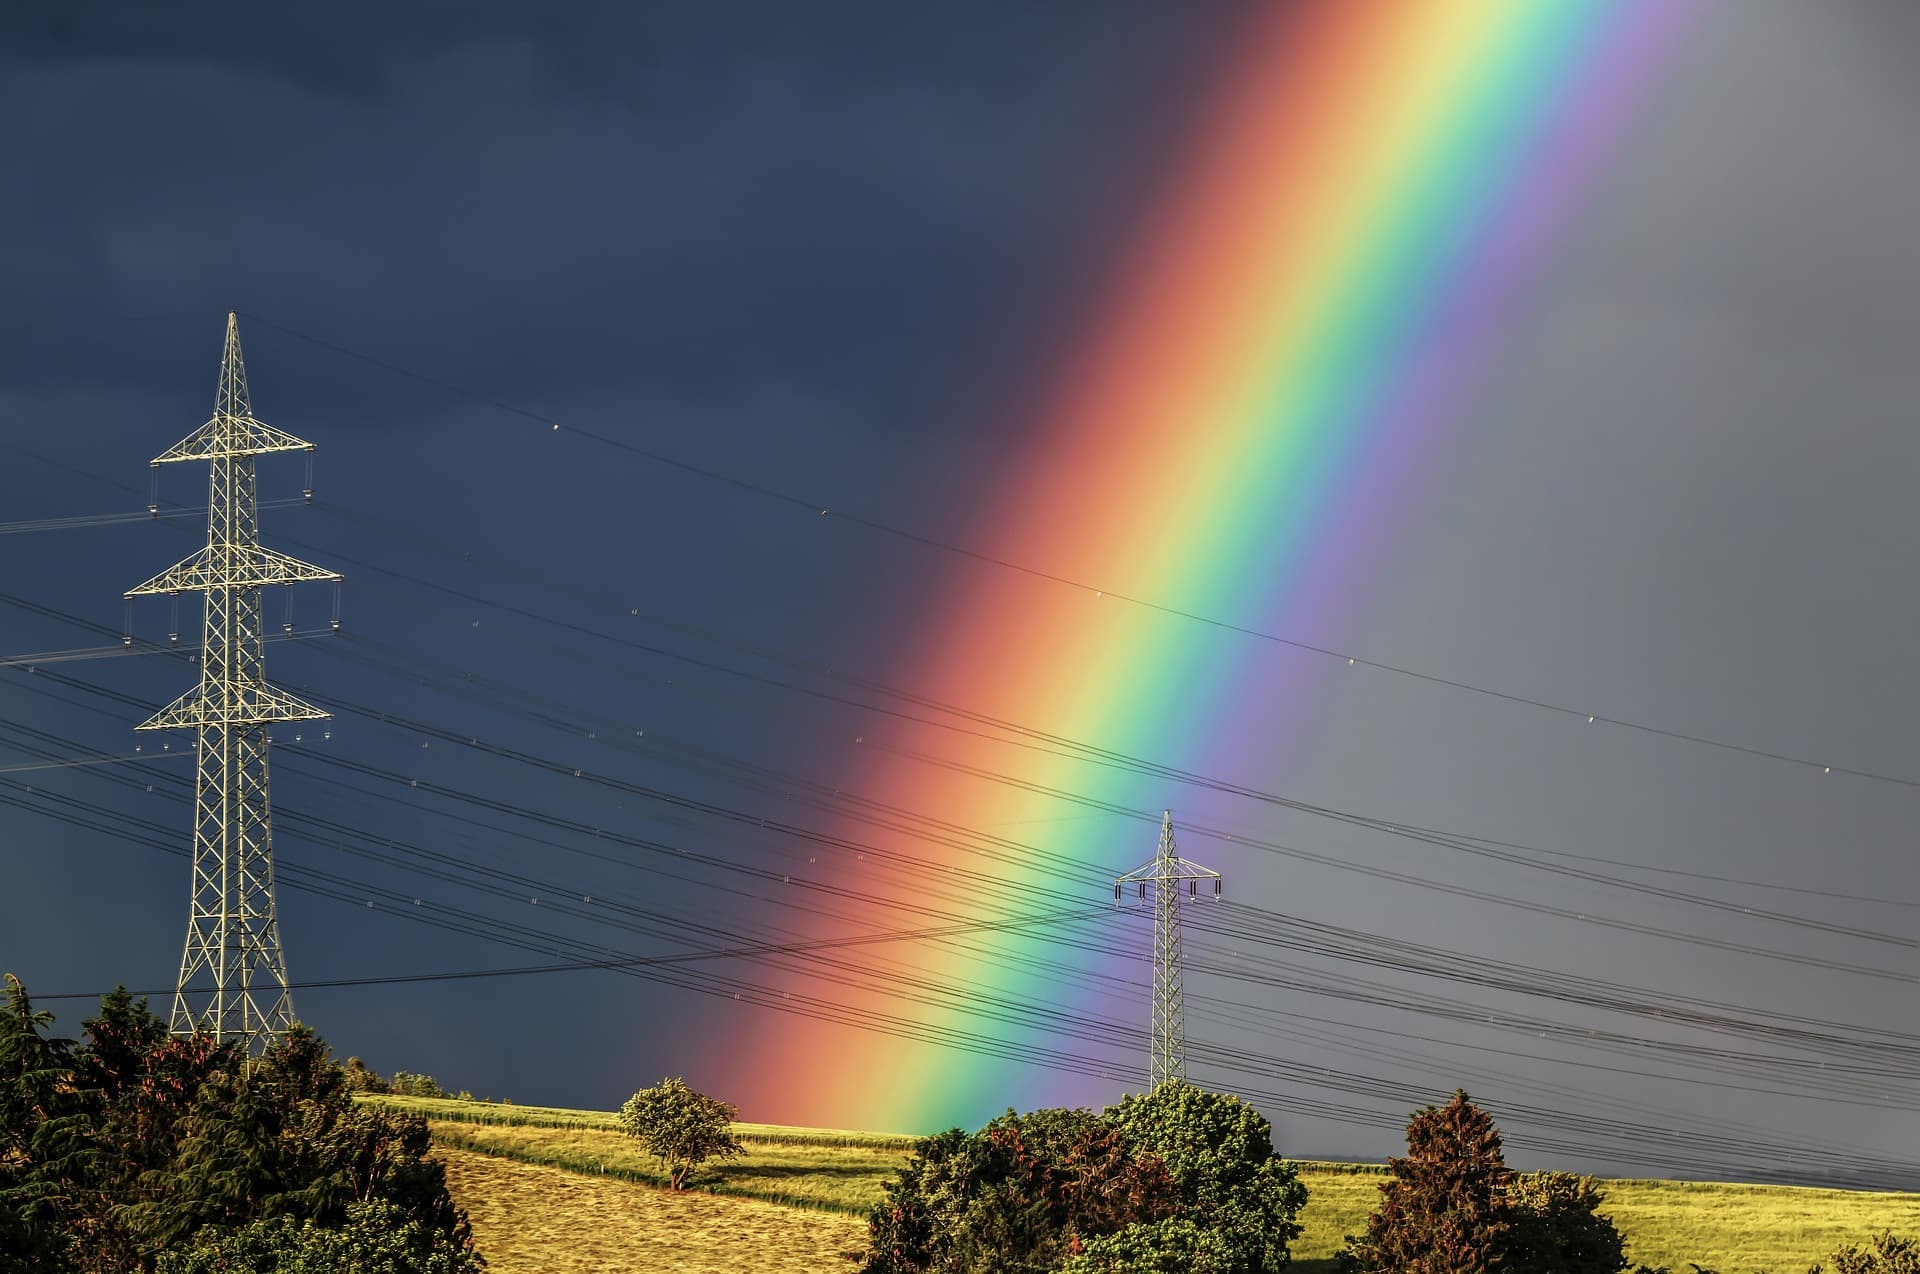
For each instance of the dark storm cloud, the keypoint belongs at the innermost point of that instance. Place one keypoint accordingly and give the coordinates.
(828, 245)
(583, 198)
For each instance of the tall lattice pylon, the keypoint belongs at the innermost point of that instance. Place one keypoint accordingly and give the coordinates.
(1165, 875)
(233, 975)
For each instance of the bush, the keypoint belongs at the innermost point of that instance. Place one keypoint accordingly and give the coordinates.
(137, 1142)
(1887, 1255)
(1180, 1181)
(1445, 1209)
(680, 1127)
(1023, 1193)
(377, 1238)
(1235, 1200)
(1558, 1229)
(360, 1079)
(408, 1084)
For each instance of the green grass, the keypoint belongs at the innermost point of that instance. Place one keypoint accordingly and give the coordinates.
(503, 1115)
(1732, 1228)
(831, 1178)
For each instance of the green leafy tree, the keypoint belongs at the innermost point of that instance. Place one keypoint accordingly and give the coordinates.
(680, 1127)
(1558, 1228)
(1884, 1255)
(1025, 1193)
(408, 1084)
(374, 1238)
(362, 1079)
(134, 1142)
(1236, 1202)
(1445, 1209)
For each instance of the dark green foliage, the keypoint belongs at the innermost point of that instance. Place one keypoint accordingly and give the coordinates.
(1022, 1194)
(1179, 1181)
(43, 1147)
(1885, 1255)
(680, 1127)
(1558, 1228)
(374, 1238)
(135, 1141)
(1235, 1200)
(408, 1084)
(361, 1079)
(1445, 1208)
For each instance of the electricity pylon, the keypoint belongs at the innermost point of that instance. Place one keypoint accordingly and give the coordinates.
(1167, 1059)
(233, 975)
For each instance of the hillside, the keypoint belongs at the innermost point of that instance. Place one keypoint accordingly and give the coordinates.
(537, 1180)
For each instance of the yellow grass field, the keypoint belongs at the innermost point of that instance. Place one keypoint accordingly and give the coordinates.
(832, 1176)
(1730, 1228)
(829, 1177)
(533, 1220)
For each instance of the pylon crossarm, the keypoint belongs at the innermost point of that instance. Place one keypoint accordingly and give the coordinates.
(1167, 869)
(226, 436)
(244, 705)
(250, 566)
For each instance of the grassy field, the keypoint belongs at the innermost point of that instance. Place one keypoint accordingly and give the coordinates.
(1731, 1228)
(836, 1175)
(831, 1178)
(533, 1220)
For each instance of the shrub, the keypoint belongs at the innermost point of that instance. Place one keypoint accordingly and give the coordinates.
(1179, 1181)
(137, 1142)
(1023, 1193)
(680, 1127)
(408, 1084)
(1445, 1208)
(362, 1079)
(1235, 1200)
(1558, 1229)
(377, 1238)
(1886, 1255)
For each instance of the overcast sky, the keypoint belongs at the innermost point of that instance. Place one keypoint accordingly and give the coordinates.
(833, 249)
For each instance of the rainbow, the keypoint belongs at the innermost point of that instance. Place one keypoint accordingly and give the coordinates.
(1348, 240)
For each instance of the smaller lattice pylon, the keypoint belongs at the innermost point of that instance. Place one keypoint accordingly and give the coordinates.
(1166, 874)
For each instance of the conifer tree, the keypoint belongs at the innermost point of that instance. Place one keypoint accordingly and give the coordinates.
(1446, 1208)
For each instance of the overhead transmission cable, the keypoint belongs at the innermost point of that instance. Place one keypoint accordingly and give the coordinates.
(823, 510)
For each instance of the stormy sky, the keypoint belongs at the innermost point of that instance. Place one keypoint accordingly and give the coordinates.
(835, 250)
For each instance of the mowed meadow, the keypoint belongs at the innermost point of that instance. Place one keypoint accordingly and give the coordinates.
(551, 1189)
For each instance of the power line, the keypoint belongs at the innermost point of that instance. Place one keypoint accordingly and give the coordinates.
(819, 509)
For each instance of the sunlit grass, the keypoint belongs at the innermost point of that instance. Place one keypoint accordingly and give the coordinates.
(501, 1113)
(838, 1175)
(534, 1220)
(834, 1177)
(1731, 1228)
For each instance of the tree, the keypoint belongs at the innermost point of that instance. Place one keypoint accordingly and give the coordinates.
(1886, 1255)
(1236, 1202)
(408, 1084)
(375, 1238)
(362, 1079)
(1177, 1181)
(136, 1141)
(1026, 1192)
(1558, 1229)
(1445, 1209)
(43, 1150)
(680, 1127)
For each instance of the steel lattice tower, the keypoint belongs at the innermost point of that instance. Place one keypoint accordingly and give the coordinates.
(1166, 873)
(233, 975)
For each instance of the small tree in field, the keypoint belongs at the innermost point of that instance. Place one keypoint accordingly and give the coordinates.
(681, 1128)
